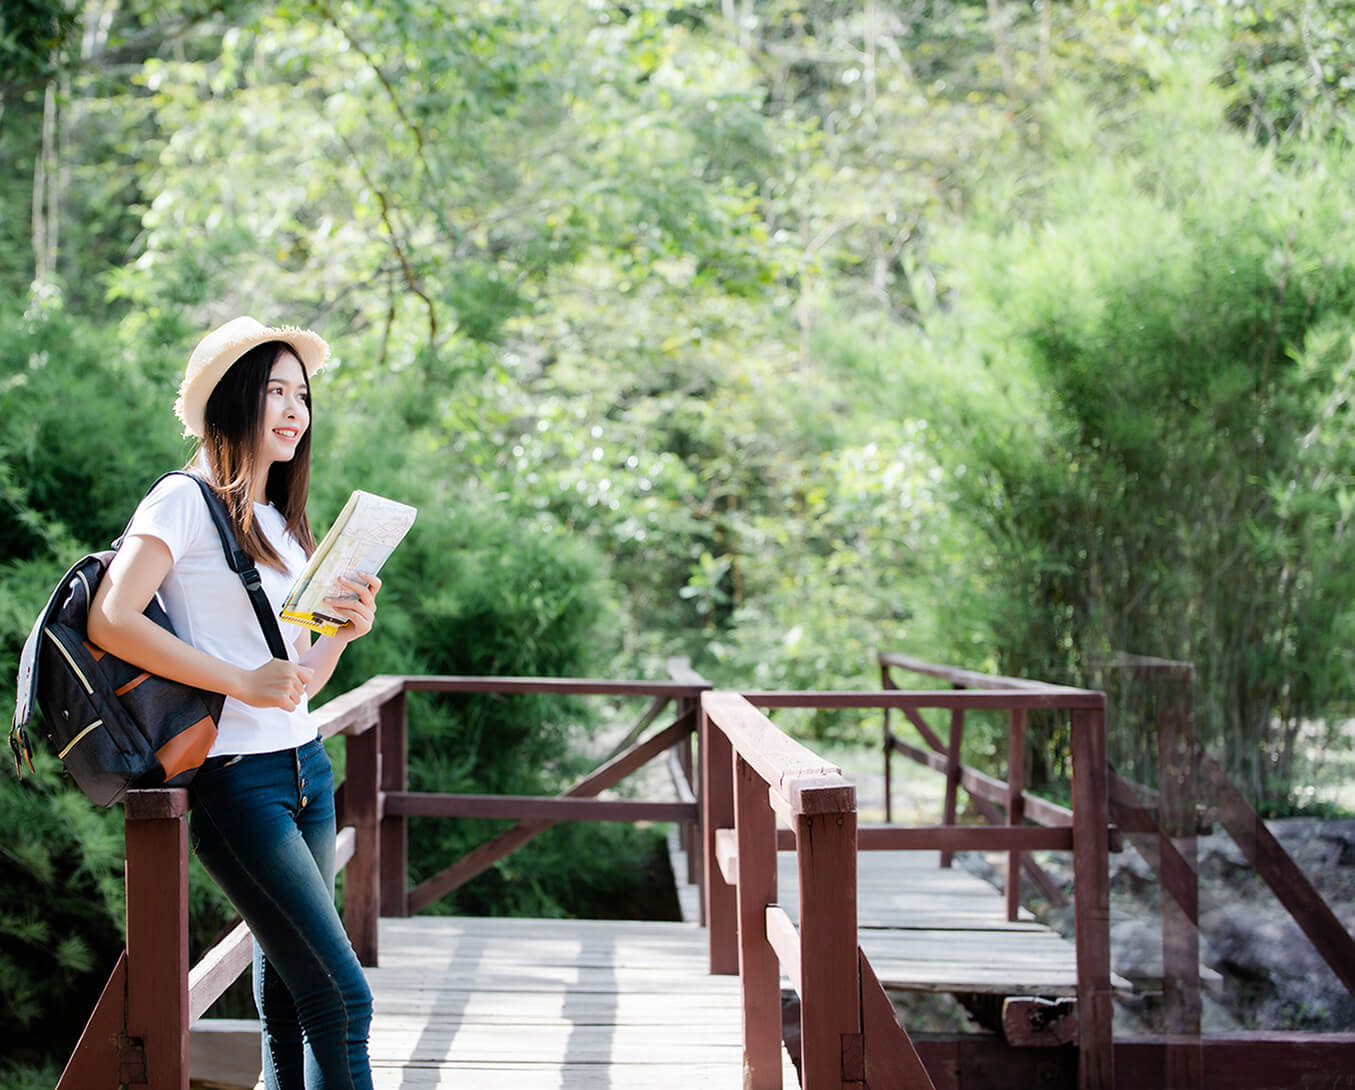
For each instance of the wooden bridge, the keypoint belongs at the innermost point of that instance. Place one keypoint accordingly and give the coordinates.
(804, 924)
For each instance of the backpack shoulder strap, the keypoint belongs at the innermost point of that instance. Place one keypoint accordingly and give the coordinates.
(237, 559)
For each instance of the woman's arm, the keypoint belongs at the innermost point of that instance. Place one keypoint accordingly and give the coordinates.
(360, 612)
(118, 624)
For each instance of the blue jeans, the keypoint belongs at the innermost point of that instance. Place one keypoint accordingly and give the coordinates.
(263, 826)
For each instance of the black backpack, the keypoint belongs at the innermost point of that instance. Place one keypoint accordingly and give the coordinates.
(113, 725)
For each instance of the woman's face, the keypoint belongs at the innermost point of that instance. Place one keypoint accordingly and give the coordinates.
(286, 410)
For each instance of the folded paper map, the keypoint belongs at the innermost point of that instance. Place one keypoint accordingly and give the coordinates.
(365, 533)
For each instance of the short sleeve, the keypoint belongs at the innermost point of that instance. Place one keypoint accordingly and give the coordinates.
(173, 512)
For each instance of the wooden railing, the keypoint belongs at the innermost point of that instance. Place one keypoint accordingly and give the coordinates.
(139, 1031)
(1084, 831)
(751, 773)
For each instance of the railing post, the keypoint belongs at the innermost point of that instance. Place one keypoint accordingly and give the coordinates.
(688, 834)
(157, 938)
(394, 828)
(362, 880)
(953, 772)
(759, 972)
(832, 1049)
(717, 812)
(1177, 772)
(1091, 899)
(1016, 803)
(887, 682)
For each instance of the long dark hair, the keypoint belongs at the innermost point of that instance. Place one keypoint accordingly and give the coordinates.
(234, 418)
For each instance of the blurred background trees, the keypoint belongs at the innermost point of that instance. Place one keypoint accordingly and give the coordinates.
(1009, 334)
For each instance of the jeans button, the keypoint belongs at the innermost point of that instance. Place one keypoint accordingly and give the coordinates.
(303, 800)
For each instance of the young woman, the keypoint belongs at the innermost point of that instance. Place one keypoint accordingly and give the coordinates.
(262, 818)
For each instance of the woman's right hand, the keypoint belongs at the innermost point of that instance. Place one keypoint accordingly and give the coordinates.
(278, 683)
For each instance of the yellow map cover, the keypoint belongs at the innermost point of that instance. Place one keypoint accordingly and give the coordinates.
(362, 537)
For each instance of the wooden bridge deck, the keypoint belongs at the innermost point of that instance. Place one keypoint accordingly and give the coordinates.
(929, 929)
(520, 1004)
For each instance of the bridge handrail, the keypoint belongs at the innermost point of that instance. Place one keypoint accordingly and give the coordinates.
(139, 1030)
(821, 884)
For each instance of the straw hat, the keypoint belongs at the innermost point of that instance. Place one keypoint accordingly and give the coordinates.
(215, 353)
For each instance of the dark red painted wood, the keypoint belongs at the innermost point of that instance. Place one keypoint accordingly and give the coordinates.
(563, 685)
(157, 945)
(536, 807)
(95, 1061)
(953, 764)
(1045, 696)
(362, 879)
(1091, 905)
(1260, 1061)
(1016, 803)
(1177, 775)
(962, 838)
(830, 983)
(1282, 874)
(717, 812)
(891, 1061)
(394, 827)
(759, 972)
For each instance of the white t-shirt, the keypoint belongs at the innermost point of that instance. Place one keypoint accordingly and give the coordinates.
(209, 608)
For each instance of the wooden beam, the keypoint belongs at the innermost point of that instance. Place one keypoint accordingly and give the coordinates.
(96, 1058)
(727, 855)
(480, 859)
(1091, 900)
(561, 685)
(157, 945)
(217, 970)
(759, 973)
(536, 807)
(1051, 696)
(1326, 932)
(962, 838)
(785, 940)
(892, 1063)
(970, 679)
(806, 780)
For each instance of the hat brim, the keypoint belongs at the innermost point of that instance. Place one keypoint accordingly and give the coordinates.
(191, 404)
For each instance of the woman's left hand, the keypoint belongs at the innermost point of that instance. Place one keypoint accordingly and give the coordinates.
(359, 612)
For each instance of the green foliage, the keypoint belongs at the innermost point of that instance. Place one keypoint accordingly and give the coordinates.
(1184, 322)
(1009, 335)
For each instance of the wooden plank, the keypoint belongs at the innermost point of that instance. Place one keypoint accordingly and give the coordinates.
(785, 940)
(830, 990)
(759, 971)
(532, 808)
(217, 969)
(963, 838)
(394, 828)
(953, 769)
(971, 679)
(567, 686)
(499, 1002)
(1016, 803)
(95, 1059)
(362, 877)
(1049, 696)
(801, 776)
(720, 913)
(1289, 884)
(891, 1061)
(157, 947)
(1091, 904)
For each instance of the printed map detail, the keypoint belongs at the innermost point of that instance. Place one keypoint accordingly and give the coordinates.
(362, 537)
